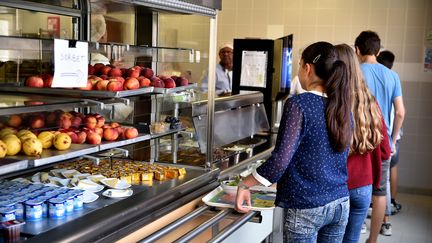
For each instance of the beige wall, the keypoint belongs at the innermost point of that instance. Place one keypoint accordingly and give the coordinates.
(402, 26)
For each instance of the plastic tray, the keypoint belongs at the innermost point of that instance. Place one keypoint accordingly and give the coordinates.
(261, 200)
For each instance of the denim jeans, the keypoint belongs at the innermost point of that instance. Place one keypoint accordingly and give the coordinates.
(322, 224)
(360, 199)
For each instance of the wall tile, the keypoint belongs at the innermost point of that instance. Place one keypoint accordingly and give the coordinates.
(344, 4)
(327, 4)
(259, 31)
(243, 17)
(426, 108)
(292, 5)
(361, 6)
(378, 17)
(276, 16)
(229, 5)
(343, 18)
(325, 33)
(359, 18)
(412, 107)
(415, 17)
(409, 143)
(259, 5)
(418, 4)
(292, 17)
(395, 36)
(308, 34)
(425, 92)
(398, 4)
(343, 35)
(413, 53)
(424, 126)
(410, 127)
(243, 31)
(259, 17)
(397, 17)
(376, 4)
(325, 17)
(245, 4)
(309, 17)
(411, 90)
(310, 4)
(414, 36)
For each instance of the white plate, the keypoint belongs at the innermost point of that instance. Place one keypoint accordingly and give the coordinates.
(89, 197)
(121, 184)
(117, 193)
(96, 178)
(89, 185)
(58, 181)
(69, 173)
(57, 172)
(36, 177)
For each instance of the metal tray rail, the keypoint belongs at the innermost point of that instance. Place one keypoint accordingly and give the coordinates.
(173, 90)
(77, 93)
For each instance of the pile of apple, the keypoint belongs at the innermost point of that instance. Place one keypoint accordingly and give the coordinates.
(90, 128)
(109, 78)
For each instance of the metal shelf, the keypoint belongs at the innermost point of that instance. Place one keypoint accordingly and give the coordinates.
(77, 93)
(173, 90)
(120, 143)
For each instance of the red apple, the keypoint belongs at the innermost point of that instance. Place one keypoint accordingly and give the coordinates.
(114, 85)
(134, 72)
(98, 68)
(131, 83)
(106, 70)
(99, 131)
(115, 72)
(35, 82)
(89, 85)
(73, 136)
(91, 69)
(130, 132)
(169, 83)
(157, 83)
(37, 121)
(76, 121)
(48, 79)
(102, 85)
(147, 72)
(143, 81)
(15, 121)
(90, 122)
(118, 78)
(104, 77)
(93, 138)
(114, 124)
(100, 121)
(81, 137)
(181, 81)
(110, 134)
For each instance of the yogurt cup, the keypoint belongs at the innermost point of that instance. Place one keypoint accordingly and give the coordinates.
(78, 199)
(56, 208)
(7, 213)
(33, 210)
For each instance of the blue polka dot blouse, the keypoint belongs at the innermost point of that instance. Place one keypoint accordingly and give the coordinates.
(308, 171)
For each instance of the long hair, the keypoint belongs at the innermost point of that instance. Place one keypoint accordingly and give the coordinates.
(366, 113)
(334, 74)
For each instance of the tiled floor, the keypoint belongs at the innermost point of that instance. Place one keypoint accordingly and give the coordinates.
(413, 224)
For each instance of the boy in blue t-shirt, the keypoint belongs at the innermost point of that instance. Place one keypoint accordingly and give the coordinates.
(385, 86)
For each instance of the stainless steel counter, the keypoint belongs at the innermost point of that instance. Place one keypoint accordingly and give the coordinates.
(108, 219)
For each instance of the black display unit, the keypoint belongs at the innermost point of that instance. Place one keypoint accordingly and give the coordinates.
(253, 68)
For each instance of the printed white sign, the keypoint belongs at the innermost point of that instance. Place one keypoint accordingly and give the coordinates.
(254, 69)
(71, 64)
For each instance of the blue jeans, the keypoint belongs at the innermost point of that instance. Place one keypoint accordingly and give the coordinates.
(322, 224)
(360, 199)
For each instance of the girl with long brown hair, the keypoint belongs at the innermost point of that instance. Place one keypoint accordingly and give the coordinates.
(368, 148)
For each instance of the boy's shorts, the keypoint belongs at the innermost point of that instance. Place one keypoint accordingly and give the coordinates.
(381, 191)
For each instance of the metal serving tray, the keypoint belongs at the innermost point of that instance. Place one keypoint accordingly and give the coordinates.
(143, 194)
(76, 92)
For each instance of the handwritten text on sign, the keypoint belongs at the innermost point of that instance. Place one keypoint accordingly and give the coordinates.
(71, 64)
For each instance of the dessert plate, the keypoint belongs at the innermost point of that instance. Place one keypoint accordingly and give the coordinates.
(115, 183)
(117, 193)
(89, 185)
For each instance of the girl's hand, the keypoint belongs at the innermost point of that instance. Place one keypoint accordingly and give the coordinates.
(243, 195)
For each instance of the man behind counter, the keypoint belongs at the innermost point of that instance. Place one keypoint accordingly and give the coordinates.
(223, 71)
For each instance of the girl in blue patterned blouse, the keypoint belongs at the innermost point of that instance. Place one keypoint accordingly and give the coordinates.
(309, 159)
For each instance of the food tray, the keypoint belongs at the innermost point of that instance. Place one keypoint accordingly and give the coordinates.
(173, 90)
(261, 200)
(76, 92)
